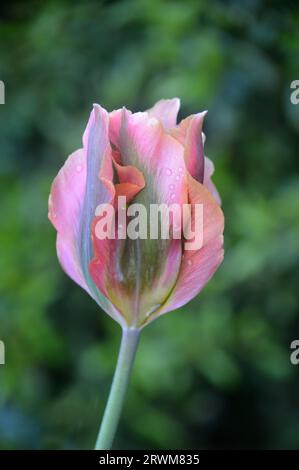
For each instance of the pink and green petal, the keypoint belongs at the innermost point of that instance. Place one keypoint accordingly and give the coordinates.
(198, 266)
(145, 144)
(65, 207)
(115, 120)
(84, 181)
(189, 134)
(135, 304)
(141, 273)
(209, 170)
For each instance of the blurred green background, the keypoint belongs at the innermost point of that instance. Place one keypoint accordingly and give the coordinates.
(216, 373)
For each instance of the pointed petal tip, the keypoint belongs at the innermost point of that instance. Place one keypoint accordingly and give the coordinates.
(98, 109)
(176, 101)
(201, 115)
(166, 111)
(204, 113)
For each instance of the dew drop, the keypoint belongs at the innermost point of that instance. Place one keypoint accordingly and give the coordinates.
(189, 262)
(180, 169)
(168, 172)
(172, 196)
(171, 186)
(79, 168)
(177, 177)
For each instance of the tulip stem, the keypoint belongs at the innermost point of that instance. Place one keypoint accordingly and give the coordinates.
(128, 347)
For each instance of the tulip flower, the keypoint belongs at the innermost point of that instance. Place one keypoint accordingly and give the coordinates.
(143, 158)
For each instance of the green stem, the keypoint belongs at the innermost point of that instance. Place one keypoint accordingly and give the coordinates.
(129, 343)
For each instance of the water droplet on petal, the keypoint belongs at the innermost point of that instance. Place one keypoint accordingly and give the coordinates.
(180, 169)
(172, 196)
(79, 168)
(171, 186)
(189, 262)
(168, 172)
(177, 177)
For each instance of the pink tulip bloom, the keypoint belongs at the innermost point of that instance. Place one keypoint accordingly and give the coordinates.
(149, 159)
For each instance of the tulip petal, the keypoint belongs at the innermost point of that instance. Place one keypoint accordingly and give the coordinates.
(131, 181)
(84, 181)
(115, 120)
(65, 212)
(103, 267)
(138, 275)
(209, 170)
(198, 266)
(119, 277)
(145, 145)
(99, 173)
(189, 133)
(166, 111)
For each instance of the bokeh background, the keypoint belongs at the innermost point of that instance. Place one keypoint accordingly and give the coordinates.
(216, 373)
